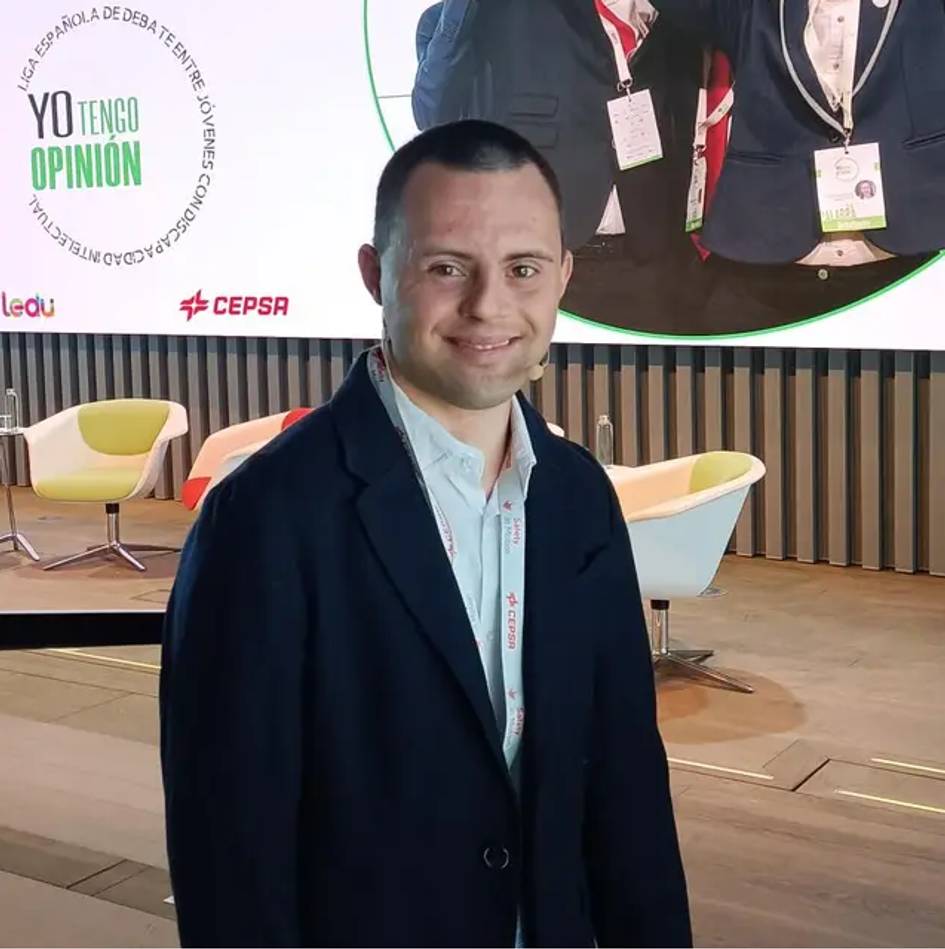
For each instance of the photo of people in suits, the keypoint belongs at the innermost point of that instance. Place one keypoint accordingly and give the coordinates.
(722, 232)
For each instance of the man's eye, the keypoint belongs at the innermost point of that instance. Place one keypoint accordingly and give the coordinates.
(446, 270)
(524, 271)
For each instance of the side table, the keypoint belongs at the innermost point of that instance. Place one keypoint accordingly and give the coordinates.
(19, 541)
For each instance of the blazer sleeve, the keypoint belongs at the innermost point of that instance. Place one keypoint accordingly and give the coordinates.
(637, 884)
(442, 50)
(231, 721)
(715, 22)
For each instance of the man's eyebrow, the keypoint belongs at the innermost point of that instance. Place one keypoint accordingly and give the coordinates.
(533, 254)
(436, 251)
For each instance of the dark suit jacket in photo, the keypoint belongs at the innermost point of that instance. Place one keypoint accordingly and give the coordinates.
(333, 771)
(765, 207)
(545, 68)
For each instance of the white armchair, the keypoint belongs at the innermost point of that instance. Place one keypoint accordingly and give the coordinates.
(680, 515)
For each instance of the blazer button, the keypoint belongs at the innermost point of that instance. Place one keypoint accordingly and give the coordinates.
(496, 858)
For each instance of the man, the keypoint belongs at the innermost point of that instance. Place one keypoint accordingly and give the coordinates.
(817, 73)
(547, 69)
(406, 690)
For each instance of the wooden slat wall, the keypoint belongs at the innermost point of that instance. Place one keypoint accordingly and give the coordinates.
(936, 450)
(838, 467)
(854, 442)
(774, 451)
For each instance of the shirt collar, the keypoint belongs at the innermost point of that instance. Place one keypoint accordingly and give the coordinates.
(432, 443)
(522, 453)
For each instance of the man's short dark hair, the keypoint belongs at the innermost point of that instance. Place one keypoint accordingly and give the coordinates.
(468, 145)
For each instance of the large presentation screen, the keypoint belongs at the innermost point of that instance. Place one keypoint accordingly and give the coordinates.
(208, 168)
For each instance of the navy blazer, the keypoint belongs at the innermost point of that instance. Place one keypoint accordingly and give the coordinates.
(545, 68)
(332, 767)
(765, 207)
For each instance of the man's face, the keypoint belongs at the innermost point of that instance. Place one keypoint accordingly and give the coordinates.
(471, 282)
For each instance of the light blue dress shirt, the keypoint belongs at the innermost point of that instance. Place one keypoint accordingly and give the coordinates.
(453, 472)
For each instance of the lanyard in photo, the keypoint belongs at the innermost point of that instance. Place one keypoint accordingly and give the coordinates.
(698, 179)
(511, 502)
(705, 122)
(621, 59)
(845, 128)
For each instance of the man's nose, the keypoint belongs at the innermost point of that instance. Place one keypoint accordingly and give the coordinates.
(489, 296)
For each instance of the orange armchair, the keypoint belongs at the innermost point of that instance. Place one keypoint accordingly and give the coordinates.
(227, 449)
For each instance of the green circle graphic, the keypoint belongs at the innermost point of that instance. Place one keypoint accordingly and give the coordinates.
(631, 332)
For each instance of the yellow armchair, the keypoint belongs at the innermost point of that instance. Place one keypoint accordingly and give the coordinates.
(103, 452)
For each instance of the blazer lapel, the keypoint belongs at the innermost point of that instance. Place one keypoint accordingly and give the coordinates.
(546, 578)
(404, 536)
(796, 14)
(872, 19)
(552, 557)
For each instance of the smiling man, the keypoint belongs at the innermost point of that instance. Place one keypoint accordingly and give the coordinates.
(406, 696)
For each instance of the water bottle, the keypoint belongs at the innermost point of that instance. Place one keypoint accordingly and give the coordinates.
(10, 417)
(604, 449)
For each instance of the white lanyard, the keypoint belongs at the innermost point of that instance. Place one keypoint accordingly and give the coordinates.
(846, 127)
(511, 561)
(696, 200)
(620, 57)
(705, 122)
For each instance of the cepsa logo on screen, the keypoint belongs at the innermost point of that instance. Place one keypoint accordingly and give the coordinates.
(224, 305)
(33, 307)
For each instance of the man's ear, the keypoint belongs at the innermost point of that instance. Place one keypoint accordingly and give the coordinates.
(369, 263)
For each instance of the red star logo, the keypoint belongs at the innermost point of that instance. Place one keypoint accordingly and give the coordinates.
(194, 305)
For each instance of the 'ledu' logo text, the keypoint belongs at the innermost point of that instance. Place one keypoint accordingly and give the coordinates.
(33, 307)
(234, 305)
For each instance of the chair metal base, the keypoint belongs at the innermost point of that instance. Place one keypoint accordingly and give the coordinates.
(20, 544)
(113, 546)
(13, 535)
(674, 662)
(686, 661)
(712, 593)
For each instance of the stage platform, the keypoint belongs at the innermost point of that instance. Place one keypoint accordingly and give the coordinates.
(57, 530)
(811, 813)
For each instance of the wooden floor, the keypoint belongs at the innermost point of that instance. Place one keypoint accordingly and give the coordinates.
(811, 813)
(58, 530)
